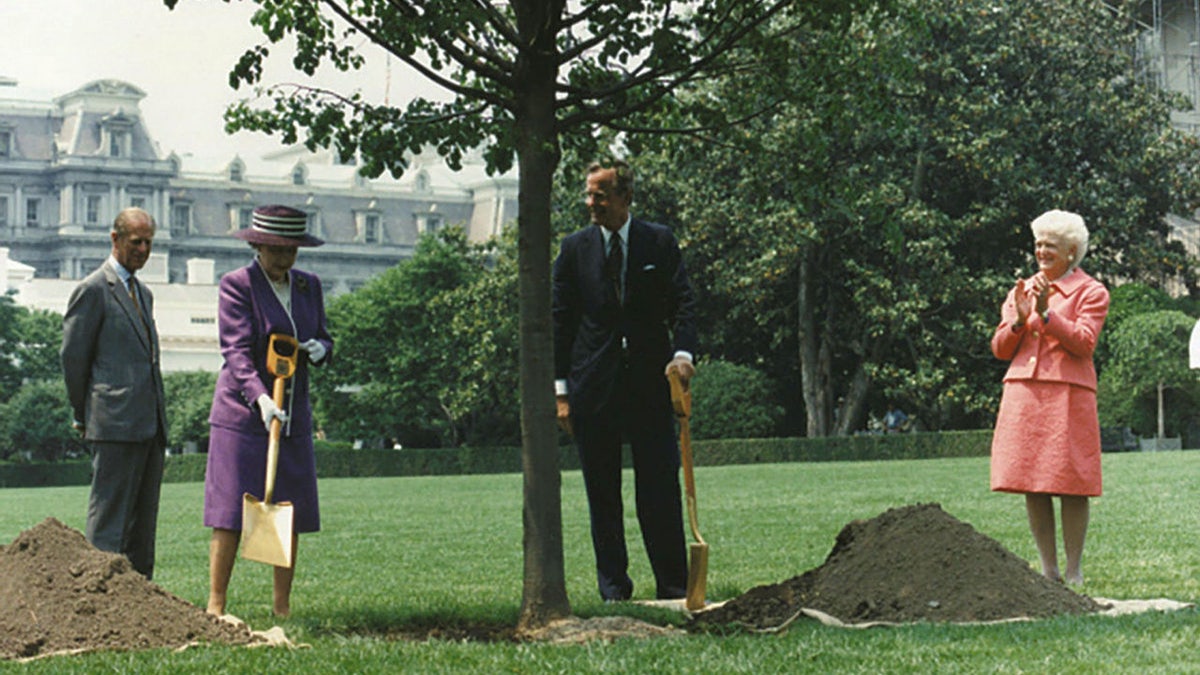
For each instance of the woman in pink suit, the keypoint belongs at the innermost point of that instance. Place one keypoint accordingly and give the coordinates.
(1047, 439)
(267, 296)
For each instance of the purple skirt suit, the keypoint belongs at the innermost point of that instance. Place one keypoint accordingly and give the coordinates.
(248, 313)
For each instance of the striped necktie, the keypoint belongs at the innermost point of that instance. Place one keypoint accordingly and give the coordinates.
(613, 264)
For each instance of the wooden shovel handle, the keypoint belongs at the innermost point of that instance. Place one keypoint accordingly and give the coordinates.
(681, 397)
(681, 400)
(281, 362)
(273, 444)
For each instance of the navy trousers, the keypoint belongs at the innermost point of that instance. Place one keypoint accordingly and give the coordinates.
(650, 431)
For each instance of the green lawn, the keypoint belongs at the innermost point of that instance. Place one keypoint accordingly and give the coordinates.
(399, 552)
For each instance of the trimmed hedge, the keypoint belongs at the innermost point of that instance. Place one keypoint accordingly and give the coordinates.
(45, 474)
(337, 460)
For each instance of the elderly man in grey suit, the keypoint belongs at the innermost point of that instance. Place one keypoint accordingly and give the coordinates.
(110, 363)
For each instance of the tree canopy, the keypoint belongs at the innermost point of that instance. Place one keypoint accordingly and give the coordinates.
(870, 222)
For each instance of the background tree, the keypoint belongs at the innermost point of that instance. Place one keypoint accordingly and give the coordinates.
(524, 75)
(36, 422)
(29, 343)
(482, 339)
(1148, 359)
(189, 401)
(866, 227)
(393, 348)
(733, 401)
(36, 351)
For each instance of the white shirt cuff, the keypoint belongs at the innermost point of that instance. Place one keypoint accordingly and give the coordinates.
(560, 387)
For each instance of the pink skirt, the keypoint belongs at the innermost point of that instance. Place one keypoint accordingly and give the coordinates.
(1047, 440)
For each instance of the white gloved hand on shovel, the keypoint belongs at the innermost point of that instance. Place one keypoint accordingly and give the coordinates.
(316, 350)
(269, 411)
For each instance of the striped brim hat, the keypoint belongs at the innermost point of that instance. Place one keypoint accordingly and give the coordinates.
(276, 225)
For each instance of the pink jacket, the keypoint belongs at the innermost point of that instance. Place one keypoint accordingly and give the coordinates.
(1059, 350)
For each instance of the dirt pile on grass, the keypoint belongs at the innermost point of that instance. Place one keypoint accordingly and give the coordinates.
(58, 593)
(915, 563)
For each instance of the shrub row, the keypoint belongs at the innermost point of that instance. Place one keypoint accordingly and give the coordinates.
(335, 460)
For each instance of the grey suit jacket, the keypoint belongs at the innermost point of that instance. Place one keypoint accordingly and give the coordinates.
(110, 361)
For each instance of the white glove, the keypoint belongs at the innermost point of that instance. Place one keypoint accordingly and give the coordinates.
(316, 350)
(269, 411)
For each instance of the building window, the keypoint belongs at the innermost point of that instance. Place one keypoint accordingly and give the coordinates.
(235, 172)
(181, 218)
(138, 202)
(4, 219)
(118, 143)
(298, 175)
(240, 216)
(5, 144)
(428, 223)
(33, 212)
(91, 209)
(371, 228)
(314, 223)
(422, 182)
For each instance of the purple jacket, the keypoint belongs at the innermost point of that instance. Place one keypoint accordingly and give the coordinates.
(248, 313)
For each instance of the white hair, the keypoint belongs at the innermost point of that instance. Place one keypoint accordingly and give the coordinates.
(1066, 227)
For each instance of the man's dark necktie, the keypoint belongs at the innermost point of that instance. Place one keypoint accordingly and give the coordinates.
(135, 294)
(613, 264)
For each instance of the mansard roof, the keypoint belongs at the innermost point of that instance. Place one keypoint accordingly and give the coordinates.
(101, 92)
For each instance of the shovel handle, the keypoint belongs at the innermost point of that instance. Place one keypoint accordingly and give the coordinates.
(681, 397)
(273, 444)
(681, 400)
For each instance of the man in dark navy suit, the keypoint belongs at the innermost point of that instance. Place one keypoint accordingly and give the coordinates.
(623, 318)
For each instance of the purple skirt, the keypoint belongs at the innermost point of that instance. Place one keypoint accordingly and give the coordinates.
(237, 464)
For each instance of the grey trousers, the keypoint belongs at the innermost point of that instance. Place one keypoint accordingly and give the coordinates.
(123, 507)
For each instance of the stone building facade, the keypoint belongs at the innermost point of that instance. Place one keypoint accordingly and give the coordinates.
(69, 164)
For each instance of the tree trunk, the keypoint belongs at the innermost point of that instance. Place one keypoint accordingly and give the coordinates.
(544, 596)
(812, 383)
(1162, 427)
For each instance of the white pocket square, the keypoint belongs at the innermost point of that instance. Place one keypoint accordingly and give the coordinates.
(648, 268)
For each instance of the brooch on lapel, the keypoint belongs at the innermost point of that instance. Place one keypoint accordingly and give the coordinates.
(302, 284)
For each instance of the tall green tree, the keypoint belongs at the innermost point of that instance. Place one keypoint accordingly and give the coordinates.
(36, 422)
(36, 351)
(29, 343)
(1149, 358)
(871, 221)
(524, 75)
(395, 348)
(189, 400)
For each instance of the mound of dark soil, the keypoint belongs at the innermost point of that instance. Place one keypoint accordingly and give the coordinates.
(915, 563)
(58, 593)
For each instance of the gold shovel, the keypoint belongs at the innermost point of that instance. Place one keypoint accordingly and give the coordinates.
(267, 527)
(697, 582)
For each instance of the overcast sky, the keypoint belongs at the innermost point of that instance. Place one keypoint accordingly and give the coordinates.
(181, 58)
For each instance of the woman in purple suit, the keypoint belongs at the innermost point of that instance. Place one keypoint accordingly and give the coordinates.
(267, 296)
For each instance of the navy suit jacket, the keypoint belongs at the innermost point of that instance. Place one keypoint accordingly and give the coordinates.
(592, 328)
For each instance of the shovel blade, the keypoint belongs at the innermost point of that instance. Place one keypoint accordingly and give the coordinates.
(697, 582)
(267, 531)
